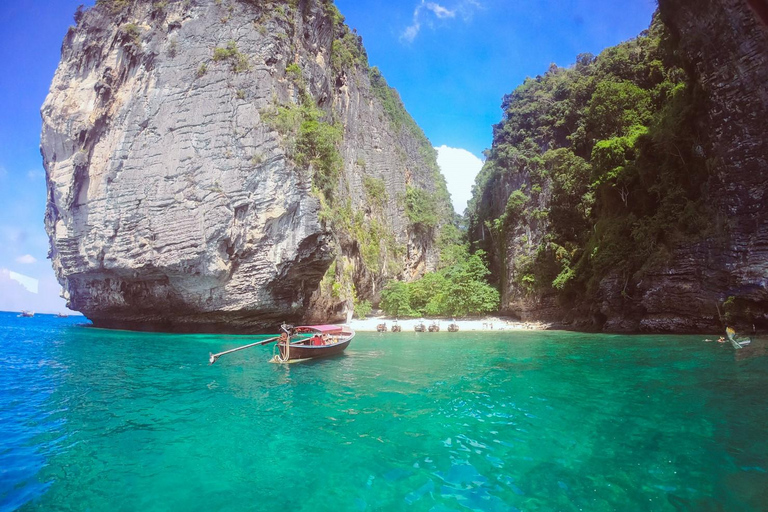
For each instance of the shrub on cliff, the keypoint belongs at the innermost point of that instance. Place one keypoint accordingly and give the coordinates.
(421, 207)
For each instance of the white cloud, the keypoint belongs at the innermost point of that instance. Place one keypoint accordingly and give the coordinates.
(31, 284)
(27, 259)
(411, 32)
(41, 295)
(441, 12)
(460, 167)
(35, 174)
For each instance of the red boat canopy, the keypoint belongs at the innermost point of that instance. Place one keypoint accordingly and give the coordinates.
(324, 329)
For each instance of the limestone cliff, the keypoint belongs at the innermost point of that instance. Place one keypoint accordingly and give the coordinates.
(628, 193)
(228, 165)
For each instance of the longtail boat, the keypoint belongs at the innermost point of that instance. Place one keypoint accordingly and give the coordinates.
(303, 342)
(737, 342)
(320, 341)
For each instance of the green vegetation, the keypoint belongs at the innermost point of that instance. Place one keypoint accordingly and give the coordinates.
(375, 191)
(238, 60)
(421, 207)
(739, 311)
(132, 32)
(312, 139)
(158, 6)
(347, 51)
(363, 309)
(293, 71)
(202, 70)
(614, 168)
(113, 6)
(457, 290)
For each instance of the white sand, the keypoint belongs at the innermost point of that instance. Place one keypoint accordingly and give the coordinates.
(490, 323)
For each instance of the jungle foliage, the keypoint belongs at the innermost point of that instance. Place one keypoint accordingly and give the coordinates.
(613, 170)
(458, 288)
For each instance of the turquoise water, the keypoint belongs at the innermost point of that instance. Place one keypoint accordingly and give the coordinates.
(99, 420)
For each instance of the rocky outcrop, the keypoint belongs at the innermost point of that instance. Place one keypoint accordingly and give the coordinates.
(182, 177)
(719, 276)
(726, 44)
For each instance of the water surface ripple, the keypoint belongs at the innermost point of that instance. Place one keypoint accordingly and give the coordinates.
(532, 421)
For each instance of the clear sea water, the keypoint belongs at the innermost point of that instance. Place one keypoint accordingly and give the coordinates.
(94, 420)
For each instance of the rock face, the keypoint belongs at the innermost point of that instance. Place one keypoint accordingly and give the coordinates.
(178, 194)
(701, 283)
(726, 43)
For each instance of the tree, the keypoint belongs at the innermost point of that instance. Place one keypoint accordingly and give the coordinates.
(395, 300)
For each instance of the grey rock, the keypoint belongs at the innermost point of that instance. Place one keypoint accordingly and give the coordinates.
(173, 205)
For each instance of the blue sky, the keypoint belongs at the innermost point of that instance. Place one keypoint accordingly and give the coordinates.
(451, 61)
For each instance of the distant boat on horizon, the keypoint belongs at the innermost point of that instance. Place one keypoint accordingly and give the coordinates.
(62, 315)
(26, 314)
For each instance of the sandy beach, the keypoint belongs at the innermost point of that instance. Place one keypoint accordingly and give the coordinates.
(491, 323)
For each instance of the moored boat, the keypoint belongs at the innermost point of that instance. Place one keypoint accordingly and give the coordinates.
(381, 327)
(434, 326)
(420, 327)
(396, 327)
(303, 342)
(321, 341)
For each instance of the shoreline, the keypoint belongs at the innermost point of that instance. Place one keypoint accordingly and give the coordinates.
(489, 323)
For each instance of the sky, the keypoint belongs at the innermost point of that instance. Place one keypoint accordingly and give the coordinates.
(452, 61)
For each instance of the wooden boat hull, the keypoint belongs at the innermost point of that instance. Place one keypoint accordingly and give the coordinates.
(299, 352)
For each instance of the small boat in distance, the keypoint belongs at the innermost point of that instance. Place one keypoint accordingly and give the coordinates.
(453, 327)
(434, 326)
(303, 342)
(420, 327)
(381, 327)
(396, 327)
(25, 314)
(62, 315)
(735, 340)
